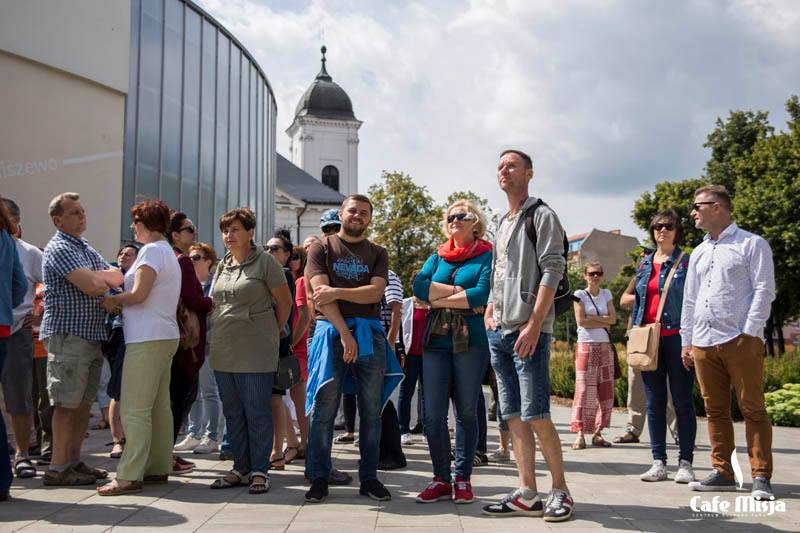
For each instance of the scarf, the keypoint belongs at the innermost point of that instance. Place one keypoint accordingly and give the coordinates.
(449, 252)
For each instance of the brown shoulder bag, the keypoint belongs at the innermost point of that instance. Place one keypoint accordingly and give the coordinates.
(643, 340)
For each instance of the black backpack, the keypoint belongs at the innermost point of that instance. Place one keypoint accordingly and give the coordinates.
(563, 298)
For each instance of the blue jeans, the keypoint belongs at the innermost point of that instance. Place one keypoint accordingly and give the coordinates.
(204, 416)
(5, 462)
(248, 417)
(523, 384)
(462, 373)
(681, 381)
(369, 375)
(413, 371)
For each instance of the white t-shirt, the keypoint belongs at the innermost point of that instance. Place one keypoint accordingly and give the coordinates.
(601, 301)
(154, 319)
(31, 259)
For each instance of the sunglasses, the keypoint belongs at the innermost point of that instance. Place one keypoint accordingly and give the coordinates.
(667, 226)
(330, 229)
(696, 205)
(196, 257)
(295, 257)
(274, 248)
(595, 274)
(190, 229)
(459, 216)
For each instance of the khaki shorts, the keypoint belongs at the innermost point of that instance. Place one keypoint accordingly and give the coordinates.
(73, 370)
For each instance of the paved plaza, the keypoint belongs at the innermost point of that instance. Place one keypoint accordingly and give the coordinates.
(604, 482)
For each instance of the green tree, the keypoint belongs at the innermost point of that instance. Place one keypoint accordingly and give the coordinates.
(492, 217)
(768, 186)
(677, 195)
(405, 222)
(731, 140)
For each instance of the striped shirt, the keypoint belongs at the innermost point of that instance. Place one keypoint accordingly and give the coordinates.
(66, 308)
(392, 293)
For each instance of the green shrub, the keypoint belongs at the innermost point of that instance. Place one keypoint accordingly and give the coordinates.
(783, 405)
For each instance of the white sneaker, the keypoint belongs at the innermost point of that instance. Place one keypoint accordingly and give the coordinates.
(406, 438)
(207, 446)
(685, 472)
(500, 456)
(188, 444)
(657, 472)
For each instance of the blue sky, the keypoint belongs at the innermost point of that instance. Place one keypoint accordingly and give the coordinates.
(609, 97)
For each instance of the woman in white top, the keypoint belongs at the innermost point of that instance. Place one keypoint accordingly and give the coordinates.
(148, 305)
(594, 359)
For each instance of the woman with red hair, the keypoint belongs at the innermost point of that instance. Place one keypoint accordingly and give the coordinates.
(148, 305)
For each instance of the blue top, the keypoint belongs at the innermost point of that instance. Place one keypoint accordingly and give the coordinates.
(671, 317)
(13, 284)
(474, 275)
(320, 358)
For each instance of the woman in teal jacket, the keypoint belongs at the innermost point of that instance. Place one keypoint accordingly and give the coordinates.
(455, 281)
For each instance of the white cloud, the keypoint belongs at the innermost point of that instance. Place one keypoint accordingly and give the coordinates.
(610, 97)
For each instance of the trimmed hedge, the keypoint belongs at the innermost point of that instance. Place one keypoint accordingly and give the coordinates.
(777, 372)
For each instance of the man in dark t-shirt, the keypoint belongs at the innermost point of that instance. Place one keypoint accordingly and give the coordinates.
(348, 275)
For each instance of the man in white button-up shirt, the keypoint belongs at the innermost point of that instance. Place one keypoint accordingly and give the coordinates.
(729, 287)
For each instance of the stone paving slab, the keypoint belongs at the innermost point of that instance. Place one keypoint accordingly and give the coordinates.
(604, 482)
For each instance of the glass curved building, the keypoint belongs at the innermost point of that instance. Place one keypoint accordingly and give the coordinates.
(120, 101)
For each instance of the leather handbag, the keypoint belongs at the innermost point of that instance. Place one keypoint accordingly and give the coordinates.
(288, 374)
(643, 340)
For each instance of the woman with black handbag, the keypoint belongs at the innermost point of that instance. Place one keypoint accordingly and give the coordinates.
(594, 359)
(280, 248)
(666, 269)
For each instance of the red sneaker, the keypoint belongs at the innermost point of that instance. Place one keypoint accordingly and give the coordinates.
(463, 489)
(437, 490)
(181, 465)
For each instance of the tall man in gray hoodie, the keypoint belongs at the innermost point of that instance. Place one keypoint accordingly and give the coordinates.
(519, 322)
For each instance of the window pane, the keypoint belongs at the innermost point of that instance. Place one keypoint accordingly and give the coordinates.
(221, 166)
(244, 139)
(149, 99)
(191, 114)
(233, 145)
(129, 158)
(205, 214)
(251, 155)
(171, 104)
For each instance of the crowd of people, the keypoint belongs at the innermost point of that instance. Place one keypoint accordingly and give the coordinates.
(195, 344)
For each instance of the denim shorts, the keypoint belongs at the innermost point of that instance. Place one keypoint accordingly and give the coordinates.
(523, 385)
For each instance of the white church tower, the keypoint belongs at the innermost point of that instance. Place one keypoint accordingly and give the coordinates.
(324, 134)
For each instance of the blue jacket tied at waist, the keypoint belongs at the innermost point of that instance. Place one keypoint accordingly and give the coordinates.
(320, 358)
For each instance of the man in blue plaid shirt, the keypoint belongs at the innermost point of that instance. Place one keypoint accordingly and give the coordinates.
(73, 328)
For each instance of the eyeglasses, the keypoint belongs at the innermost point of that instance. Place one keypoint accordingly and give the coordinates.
(667, 226)
(459, 216)
(190, 229)
(696, 205)
(196, 257)
(272, 248)
(330, 229)
(595, 274)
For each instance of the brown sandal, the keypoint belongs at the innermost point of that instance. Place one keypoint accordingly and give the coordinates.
(579, 444)
(600, 442)
(290, 454)
(113, 488)
(626, 438)
(116, 451)
(277, 464)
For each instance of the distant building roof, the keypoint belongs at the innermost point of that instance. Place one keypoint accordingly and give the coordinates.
(297, 182)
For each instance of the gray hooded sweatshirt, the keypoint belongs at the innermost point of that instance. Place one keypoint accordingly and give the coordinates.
(516, 278)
